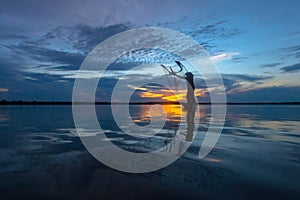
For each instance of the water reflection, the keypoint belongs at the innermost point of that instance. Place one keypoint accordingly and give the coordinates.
(274, 123)
(175, 116)
(143, 114)
(4, 117)
(190, 121)
(42, 156)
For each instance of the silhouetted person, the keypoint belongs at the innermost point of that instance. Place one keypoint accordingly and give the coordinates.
(189, 77)
(190, 95)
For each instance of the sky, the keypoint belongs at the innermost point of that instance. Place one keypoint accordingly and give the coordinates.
(255, 45)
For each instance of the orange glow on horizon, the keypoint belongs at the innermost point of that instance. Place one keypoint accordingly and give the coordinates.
(175, 97)
(169, 95)
(150, 95)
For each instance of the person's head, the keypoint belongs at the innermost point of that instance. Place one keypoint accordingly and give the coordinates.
(189, 75)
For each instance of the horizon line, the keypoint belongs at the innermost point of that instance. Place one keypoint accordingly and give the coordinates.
(20, 102)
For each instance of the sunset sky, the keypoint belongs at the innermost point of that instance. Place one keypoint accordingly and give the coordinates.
(254, 44)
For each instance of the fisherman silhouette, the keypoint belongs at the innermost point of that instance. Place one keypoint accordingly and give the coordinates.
(190, 106)
(190, 96)
(189, 77)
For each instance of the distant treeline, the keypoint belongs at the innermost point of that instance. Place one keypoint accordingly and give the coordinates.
(20, 102)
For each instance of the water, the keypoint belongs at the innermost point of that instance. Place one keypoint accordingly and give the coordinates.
(256, 157)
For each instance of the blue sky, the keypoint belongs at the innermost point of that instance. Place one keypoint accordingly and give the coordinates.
(255, 44)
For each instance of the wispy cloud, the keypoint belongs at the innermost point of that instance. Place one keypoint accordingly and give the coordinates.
(266, 94)
(83, 37)
(48, 55)
(11, 36)
(269, 65)
(244, 77)
(218, 29)
(292, 36)
(291, 68)
(224, 56)
(290, 52)
(235, 83)
(212, 34)
(59, 52)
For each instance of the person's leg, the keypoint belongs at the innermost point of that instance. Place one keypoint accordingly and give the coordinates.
(190, 96)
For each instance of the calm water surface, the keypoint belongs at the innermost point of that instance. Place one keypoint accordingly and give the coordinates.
(256, 157)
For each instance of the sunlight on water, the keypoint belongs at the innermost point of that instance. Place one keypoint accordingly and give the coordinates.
(173, 112)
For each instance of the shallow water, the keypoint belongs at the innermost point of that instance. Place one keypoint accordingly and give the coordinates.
(256, 157)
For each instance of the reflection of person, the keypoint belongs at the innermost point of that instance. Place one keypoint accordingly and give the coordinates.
(180, 143)
(190, 121)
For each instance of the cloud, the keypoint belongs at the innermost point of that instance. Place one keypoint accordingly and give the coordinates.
(235, 83)
(218, 29)
(11, 36)
(63, 48)
(2, 90)
(269, 65)
(84, 37)
(74, 44)
(47, 55)
(224, 56)
(292, 36)
(212, 34)
(290, 52)
(267, 94)
(48, 41)
(94, 12)
(291, 68)
(9, 74)
(30, 87)
(244, 77)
